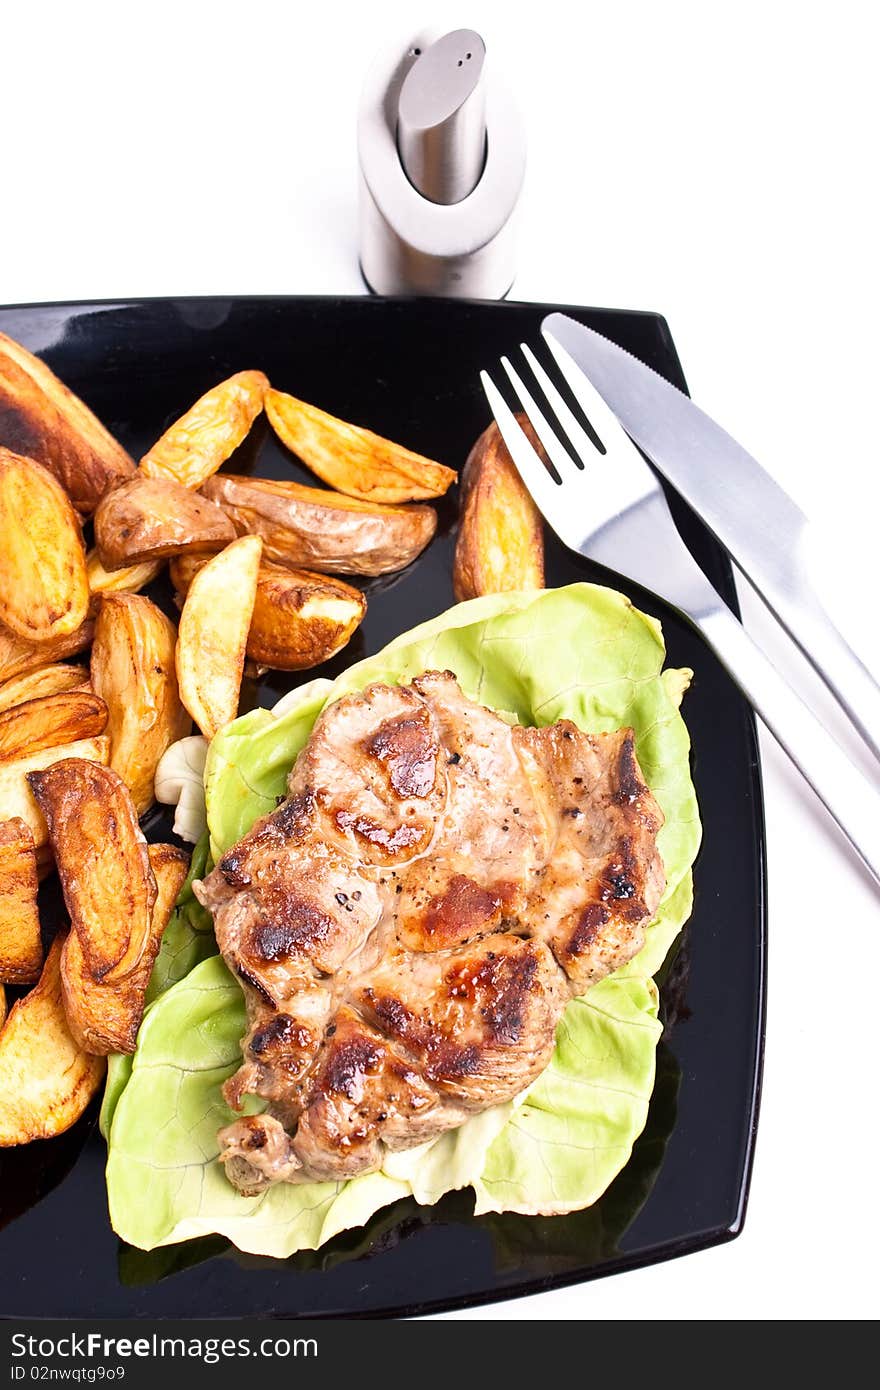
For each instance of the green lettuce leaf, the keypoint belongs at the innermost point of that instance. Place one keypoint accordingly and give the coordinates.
(247, 764)
(582, 653)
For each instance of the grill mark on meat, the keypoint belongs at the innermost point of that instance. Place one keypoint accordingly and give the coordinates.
(279, 1035)
(618, 884)
(442, 1059)
(293, 817)
(403, 837)
(590, 922)
(244, 974)
(421, 916)
(298, 925)
(496, 986)
(464, 909)
(629, 784)
(231, 867)
(408, 751)
(499, 986)
(349, 1063)
(288, 825)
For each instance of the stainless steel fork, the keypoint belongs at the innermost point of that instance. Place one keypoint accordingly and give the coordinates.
(609, 506)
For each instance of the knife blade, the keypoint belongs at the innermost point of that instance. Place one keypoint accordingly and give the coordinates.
(755, 520)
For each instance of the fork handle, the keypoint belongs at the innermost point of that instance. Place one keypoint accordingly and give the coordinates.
(848, 796)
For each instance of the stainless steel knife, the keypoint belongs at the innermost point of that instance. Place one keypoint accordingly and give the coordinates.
(758, 524)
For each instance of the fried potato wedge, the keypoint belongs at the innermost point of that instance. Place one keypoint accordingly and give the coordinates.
(105, 1018)
(213, 632)
(128, 580)
(16, 797)
(152, 518)
(354, 460)
(198, 443)
(133, 671)
(500, 544)
(21, 950)
(44, 590)
(102, 861)
(19, 657)
(46, 680)
(299, 619)
(309, 528)
(41, 418)
(46, 1080)
(50, 721)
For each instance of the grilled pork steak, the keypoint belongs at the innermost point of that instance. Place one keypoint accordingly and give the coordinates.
(411, 921)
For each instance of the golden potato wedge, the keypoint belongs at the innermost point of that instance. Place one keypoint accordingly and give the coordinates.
(170, 866)
(299, 619)
(105, 1018)
(44, 591)
(49, 722)
(213, 631)
(16, 798)
(152, 518)
(21, 950)
(102, 862)
(46, 1080)
(354, 460)
(128, 580)
(18, 657)
(198, 443)
(46, 680)
(309, 528)
(133, 671)
(41, 418)
(182, 569)
(500, 544)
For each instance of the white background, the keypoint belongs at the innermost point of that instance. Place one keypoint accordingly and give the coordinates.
(716, 163)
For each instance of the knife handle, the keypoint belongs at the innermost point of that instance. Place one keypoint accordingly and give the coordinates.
(851, 683)
(852, 801)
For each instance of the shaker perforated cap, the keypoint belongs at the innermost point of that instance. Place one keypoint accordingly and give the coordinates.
(441, 118)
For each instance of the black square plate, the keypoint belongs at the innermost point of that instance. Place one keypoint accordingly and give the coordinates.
(408, 368)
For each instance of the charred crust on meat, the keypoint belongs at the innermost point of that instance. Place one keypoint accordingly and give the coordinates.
(407, 749)
(293, 817)
(622, 886)
(231, 868)
(619, 883)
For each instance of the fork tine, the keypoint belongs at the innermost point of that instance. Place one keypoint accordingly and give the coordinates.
(528, 464)
(556, 451)
(583, 444)
(603, 420)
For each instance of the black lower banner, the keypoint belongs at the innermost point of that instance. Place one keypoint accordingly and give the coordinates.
(133, 1352)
